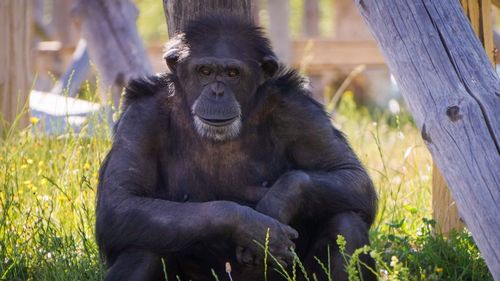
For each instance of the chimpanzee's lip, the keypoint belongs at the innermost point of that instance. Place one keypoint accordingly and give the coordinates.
(218, 122)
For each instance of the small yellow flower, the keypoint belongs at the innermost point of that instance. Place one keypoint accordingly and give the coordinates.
(348, 94)
(40, 164)
(439, 269)
(29, 161)
(34, 120)
(86, 166)
(24, 166)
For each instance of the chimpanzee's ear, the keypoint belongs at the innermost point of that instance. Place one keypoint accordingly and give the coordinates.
(269, 65)
(172, 57)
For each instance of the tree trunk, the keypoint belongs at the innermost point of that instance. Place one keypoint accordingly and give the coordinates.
(113, 42)
(444, 211)
(311, 18)
(310, 30)
(256, 9)
(453, 94)
(180, 12)
(15, 58)
(279, 33)
(64, 28)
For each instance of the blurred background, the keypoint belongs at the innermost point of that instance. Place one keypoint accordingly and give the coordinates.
(325, 39)
(75, 64)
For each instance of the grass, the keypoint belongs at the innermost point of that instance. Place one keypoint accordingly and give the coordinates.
(48, 185)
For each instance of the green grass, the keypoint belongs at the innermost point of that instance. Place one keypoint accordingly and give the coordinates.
(48, 185)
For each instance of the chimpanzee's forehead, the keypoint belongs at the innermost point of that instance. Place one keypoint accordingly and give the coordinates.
(224, 47)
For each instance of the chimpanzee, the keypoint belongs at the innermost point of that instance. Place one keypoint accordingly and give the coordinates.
(226, 148)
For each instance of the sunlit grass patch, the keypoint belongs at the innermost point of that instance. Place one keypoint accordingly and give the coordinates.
(48, 186)
(47, 195)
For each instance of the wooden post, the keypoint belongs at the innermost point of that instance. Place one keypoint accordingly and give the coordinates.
(255, 10)
(311, 18)
(310, 31)
(479, 14)
(444, 210)
(15, 58)
(180, 12)
(113, 42)
(453, 93)
(279, 33)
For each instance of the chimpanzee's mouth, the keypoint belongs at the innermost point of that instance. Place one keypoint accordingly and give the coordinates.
(218, 122)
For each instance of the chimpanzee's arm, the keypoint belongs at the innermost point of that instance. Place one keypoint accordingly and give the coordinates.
(129, 215)
(328, 177)
(127, 212)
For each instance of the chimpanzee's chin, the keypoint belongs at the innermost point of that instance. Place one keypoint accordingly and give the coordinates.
(218, 131)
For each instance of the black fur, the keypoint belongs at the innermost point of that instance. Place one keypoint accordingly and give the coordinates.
(145, 86)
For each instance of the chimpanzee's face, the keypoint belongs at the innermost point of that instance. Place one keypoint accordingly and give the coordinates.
(219, 81)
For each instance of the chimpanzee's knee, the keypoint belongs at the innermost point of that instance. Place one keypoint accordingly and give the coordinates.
(135, 264)
(352, 228)
(355, 232)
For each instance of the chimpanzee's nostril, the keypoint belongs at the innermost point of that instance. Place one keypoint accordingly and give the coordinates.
(217, 89)
(218, 94)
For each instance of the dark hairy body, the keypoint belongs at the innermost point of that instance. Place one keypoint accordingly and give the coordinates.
(208, 158)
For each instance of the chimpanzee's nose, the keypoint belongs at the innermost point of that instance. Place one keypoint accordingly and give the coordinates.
(218, 89)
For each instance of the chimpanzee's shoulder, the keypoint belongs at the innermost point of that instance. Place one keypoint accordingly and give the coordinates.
(296, 113)
(147, 86)
(288, 80)
(295, 95)
(145, 101)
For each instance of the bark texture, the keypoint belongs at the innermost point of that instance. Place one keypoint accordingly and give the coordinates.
(180, 12)
(454, 95)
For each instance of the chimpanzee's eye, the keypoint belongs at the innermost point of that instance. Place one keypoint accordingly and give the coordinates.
(205, 70)
(233, 72)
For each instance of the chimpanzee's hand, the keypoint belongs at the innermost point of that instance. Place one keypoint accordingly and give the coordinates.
(284, 198)
(252, 227)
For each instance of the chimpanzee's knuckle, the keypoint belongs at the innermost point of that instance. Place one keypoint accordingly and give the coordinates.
(297, 177)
